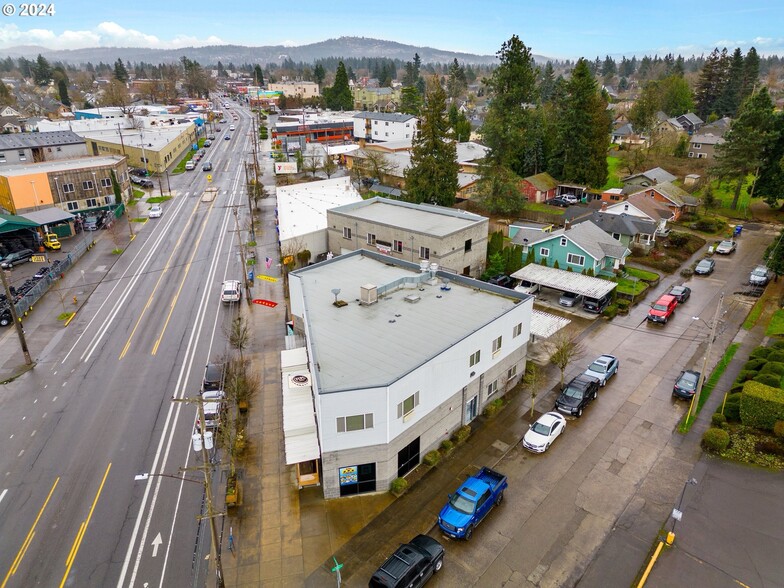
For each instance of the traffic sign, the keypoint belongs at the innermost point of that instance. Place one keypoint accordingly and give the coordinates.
(269, 303)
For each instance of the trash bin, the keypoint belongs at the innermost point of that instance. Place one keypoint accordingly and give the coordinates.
(738, 229)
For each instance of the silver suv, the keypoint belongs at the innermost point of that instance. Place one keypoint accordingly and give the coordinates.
(759, 276)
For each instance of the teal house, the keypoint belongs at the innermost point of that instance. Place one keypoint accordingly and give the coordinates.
(583, 248)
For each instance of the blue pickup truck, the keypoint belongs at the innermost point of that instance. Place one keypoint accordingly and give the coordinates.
(470, 504)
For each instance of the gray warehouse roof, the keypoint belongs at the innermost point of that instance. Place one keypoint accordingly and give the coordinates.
(44, 139)
(351, 345)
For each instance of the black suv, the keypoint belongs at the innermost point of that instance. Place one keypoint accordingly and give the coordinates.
(411, 565)
(503, 280)
(213, 377)
(596, 305)
(577, 394)
(5, 316)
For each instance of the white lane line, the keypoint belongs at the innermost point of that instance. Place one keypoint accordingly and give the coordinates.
(20, 453)
(55, 398)
(2, 494)
(33, 433)
(44, 415)
(35, 401)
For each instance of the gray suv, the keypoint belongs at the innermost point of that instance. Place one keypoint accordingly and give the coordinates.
(16, 258)
(759, 276)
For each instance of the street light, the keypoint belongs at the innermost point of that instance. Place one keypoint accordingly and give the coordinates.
(677, 513)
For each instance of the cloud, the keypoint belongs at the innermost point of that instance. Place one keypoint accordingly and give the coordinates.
(106, 34)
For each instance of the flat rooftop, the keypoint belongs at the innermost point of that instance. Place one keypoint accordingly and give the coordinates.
(59, 165)
(352, 345)
(437, 221)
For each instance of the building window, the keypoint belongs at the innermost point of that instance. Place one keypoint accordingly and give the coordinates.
(2, 157)
(406, 407)
(347, 232)
(72, 205)
(563, 241)
(357, 422)
(544, 252)
(492, 388)
(702, 155)
(696, 145)
(573, 259)
(59, 149)
(517, 330)
(497, 346)
(68, 188)
(691, 153)
(386, 123)
(474, 359)
(398, 246)
(424, 253)
(106, 182)
(91, 202)
(511, 372)
(371, 239)
(467, 245)
(87, 185)
(107, 199)
(22, 156)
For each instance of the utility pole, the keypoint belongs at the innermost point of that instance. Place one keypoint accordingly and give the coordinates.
(15, 317)
(696, 400)
(248, 188)
(248, 283)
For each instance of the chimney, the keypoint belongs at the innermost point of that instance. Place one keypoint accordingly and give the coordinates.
(604, 206)
(567, 225)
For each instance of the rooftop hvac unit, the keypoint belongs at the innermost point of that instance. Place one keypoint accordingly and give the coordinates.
(412, 298)
(368, 294)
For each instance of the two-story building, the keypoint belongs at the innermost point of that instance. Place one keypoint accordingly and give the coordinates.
(376, 99)
(304, 90)
(703, 145)
(37, 147)
(678, 200)
(454, 239)
(644, 207)
(399, 355)
(384, 126)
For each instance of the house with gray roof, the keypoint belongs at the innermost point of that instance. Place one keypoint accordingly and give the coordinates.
(675, 198)
(690, 122)
(384, 126)
(649, 177)
(644, 207)
(628, 229)
(38, 147)
(703, 145)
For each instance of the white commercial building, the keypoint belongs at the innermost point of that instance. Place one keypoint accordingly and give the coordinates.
(400, 355)
(302, 213)
(385, 126)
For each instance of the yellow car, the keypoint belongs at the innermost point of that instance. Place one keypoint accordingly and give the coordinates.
(51, 241)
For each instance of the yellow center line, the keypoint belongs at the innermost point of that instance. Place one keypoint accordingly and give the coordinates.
(158, 283)
(182, 282)
(83, 529)
(28, 539)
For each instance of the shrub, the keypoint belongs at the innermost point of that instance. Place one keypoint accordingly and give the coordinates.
(773, 367)
(678, 239)
(687, 272)
(769, 446)
(707, 225)
(398, 486)
(447, 446)
(744, 375)
(610, 311)
(768, 379)
(755, 363)
(778, 429)
(431, 458)
(778, 344)
(732, 407)
(776, 355)
(462, 434)
(718, 419)
(761, 405)
(761, 352)
(715, 440)
(623, 304)
(494, 407)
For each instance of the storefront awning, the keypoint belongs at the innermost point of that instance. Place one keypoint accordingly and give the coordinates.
(299, 418)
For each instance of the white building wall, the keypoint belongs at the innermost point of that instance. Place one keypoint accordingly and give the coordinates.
(383, 130)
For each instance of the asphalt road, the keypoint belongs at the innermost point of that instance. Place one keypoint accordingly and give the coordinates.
(96, 413)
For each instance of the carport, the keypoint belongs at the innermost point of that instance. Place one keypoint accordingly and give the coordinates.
(16, 233)
(565, 281)
(53, 220)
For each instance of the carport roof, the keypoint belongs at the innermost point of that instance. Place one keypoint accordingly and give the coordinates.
(47, 216)
(559, 279)
(544, 324)
(10, 222)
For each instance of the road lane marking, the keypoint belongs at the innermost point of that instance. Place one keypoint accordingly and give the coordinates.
(55, 398)
(83, 529)
(156, 543)
(20, 453)
(2, 495)
(28, 539)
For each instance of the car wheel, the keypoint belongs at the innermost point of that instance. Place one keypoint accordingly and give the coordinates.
(665, 320)
(603, 383)
(469, 532)
(595, 394)
(500, 498)
(579, 412)
(546, 447)
(438, 565)
(4, 322)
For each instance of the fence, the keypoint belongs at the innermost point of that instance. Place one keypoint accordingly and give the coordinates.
(26, 303)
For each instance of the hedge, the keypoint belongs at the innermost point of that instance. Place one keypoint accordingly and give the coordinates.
(432, 458)
(398, 486)
(732, 407)
(755, 363)
(768, 379)
(779, 344)
(776, 355)
(761, 406)
(778, 429)
(715, 440)
(744, 375)
(773, 367)
(761, 352)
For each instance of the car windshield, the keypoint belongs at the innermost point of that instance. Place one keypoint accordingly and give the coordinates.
(573, 393)
(659, 306)
(461, 504)
(725, 244)
(540, 428)
(598, 367)
(569, 295)
(759, 272)
(688, 382)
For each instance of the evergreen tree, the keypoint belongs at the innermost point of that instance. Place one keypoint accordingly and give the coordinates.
(339, 97)
(62, 89)
(547, 83)
(258, 75)
(677, 68)
(609, 69)
(319, 74)
(626, 68)
(751, 73)
(120, 73)
(456, 85)
(42, 71)
(746, 142)
(774, 255)
(461, 127)
(583, 130)
(770, 178)
(432, 177)
(676, 96)
(221, 71)
(646, 64)
(728, 102)
(711, 83)
(6, 97)
(410, 100)
(498, 189)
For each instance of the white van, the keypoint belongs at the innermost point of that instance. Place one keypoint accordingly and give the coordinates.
(230, 291)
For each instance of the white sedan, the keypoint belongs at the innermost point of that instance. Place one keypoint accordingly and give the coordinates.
(155, 211)
(544, 431)
(726, 247)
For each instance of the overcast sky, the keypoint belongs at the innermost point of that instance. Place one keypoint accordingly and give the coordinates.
(553, 28)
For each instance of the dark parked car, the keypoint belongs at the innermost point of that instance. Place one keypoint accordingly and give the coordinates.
(502, 280)
(213, 377)
(206, 167)
(15, 258)
(559, 201)
(680, 293)
(5, 317)
(686, 384)
(577, 394)
(143, 182)
(412, 564)
(705, 267)
(597, 305)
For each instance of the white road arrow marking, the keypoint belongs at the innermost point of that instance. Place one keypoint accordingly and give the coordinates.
(156, 543)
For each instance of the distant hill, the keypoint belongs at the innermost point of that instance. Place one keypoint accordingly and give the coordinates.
(357, 47)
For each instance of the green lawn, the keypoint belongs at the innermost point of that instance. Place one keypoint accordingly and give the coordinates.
(614, 173)
(542, 207)
(642, 274)
(776, 324)
(138, 194)
(158, 199)
(631, 287)
(724, 192)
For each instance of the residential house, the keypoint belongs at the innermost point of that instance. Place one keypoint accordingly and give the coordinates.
(676, 199)
(539, 187)
(375, 99)
(583, 247)
(642, 206)
(303, 90)
(625, 135)
(384, 126)
(666, 125)
(454, 239)
(420, 353)
(650, 177)
(36, 147)
(703, 145)
(470, 155)
(612, 195)
(629, 230)
(690, 122)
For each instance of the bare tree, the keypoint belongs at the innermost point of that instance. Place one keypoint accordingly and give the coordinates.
(116, 94)
(374, 164)
(564, 348)
(239, 336)
(329, 166)
(311, 164)
(533, 380)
